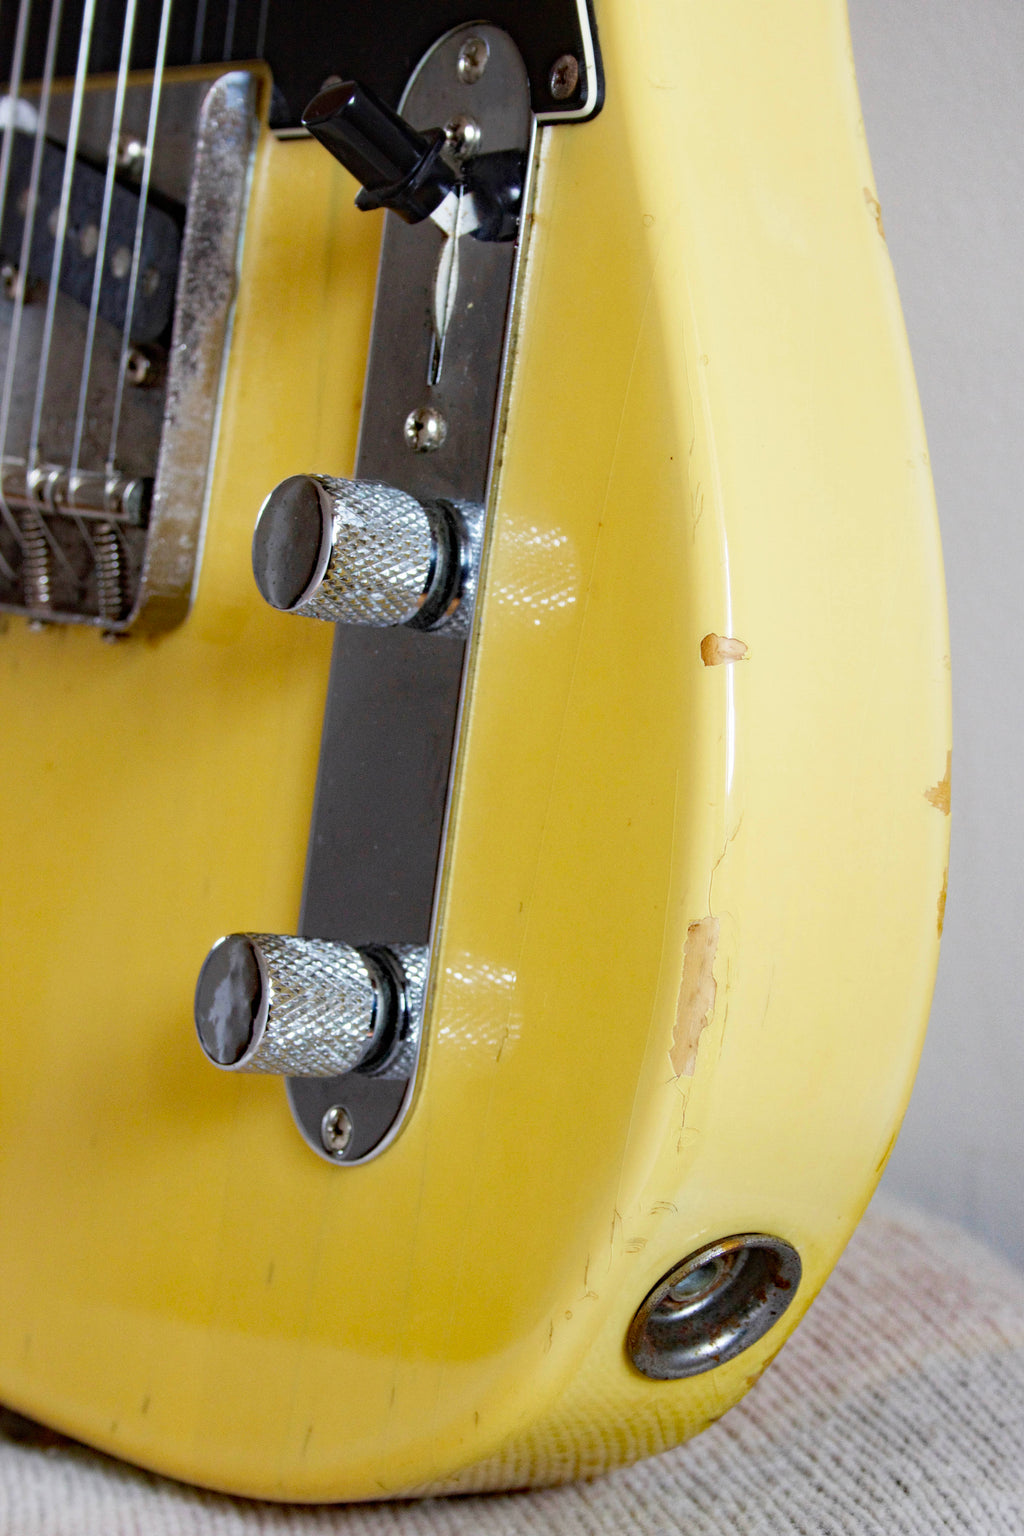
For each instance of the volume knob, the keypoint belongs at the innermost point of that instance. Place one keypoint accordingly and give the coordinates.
(298, 1007)
(355, 552)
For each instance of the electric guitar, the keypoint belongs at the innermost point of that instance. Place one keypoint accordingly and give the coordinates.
(487, 441)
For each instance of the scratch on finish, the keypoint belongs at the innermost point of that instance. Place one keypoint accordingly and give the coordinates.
(938, 795)
(730, 839)
(698, 504)
(718, 649)
(888, 1151)
(696, 994)
(616, 1223)
(768, 997)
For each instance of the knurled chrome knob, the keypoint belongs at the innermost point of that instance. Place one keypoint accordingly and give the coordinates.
(298, 1007)
(356, 552)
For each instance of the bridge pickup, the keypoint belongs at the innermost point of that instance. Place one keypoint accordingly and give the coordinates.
(159, 252)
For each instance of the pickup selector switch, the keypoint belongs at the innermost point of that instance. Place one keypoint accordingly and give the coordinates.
(300, 1007)
(358, 552)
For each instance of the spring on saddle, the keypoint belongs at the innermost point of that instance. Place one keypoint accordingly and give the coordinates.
(35, 562)
(109, 574)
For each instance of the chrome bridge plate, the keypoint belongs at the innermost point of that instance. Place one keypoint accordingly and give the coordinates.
(394, 696)
(106, 438)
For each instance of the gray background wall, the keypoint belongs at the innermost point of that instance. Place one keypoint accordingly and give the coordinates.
(942, 87)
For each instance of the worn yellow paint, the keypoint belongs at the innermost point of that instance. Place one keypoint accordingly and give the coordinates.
(713, 428)
(697, 992)
(939, 795)
(718, 650)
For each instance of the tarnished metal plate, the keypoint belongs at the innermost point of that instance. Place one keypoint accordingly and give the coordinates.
(391, 718)
(73, 547)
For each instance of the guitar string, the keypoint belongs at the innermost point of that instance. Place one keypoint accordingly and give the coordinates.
(229, 29)
(200, 29)
(13, 102)
(60, 233)
(28, 235)
(261, 31)
(156, 90)
(104, 232)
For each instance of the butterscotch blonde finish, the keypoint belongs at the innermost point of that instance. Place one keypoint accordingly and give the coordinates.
(693, 884)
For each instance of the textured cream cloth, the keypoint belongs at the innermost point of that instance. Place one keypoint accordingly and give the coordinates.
(897, 1410)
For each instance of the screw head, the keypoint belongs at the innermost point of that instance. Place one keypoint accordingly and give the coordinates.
(138, 368)
(463, 136)
(564, 77)
(121, 262)
(425, 430)
(10, 280)
(336, 1129)
(473, 56)
(131, 155)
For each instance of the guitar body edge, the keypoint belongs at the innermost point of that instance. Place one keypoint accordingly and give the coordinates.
(695, 872)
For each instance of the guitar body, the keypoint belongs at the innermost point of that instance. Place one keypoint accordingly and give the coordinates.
(694, 873)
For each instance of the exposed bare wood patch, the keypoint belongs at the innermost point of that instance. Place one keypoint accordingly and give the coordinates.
(696, 994)
(875, 209)
(716, 649)
(938, 795)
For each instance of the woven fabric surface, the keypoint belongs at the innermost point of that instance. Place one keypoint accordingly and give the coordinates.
(897, 1410)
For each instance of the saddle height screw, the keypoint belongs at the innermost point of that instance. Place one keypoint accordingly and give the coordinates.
(425, 430)
(564, 77)
(336, 1129)
(473, 57)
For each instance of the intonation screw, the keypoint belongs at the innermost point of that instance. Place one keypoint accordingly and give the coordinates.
(336, 1129)
(425, 430)
(473, 57)
(564, 77)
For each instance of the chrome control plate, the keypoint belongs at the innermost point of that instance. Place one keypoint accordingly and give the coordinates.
(430, 415)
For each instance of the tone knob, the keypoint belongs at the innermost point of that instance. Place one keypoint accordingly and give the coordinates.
(298, 1007)
(357, 552)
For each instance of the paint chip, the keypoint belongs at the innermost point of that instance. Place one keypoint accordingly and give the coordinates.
(875, 209)
(697, 993)
(716, 649)
(942, 901)
(938, 795)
